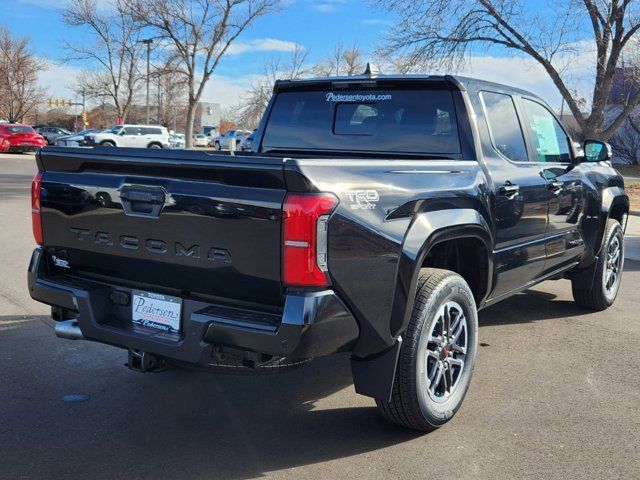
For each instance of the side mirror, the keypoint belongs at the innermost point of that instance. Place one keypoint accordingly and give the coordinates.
(122, 133)
(597, 151)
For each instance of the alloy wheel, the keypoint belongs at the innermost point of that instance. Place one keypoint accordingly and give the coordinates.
(446, 351)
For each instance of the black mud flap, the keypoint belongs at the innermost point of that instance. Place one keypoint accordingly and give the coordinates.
(374, 376)
(583, 279)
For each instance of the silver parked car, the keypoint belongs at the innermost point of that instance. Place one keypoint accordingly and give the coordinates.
(223, 142)
(246, 145)
(177, 140)
(51, 134)
(77, 139)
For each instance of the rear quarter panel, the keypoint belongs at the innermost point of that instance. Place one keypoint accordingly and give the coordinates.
(379, 202)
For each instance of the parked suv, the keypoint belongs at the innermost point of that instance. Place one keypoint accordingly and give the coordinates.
(136, 136)
(375, 216)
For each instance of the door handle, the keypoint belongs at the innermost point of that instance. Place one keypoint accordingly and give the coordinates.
(508, 190)
(556, 187)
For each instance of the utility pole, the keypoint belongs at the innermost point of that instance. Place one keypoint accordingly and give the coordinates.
(148, 42)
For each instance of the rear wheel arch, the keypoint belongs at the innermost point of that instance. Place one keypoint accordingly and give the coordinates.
(422, 248)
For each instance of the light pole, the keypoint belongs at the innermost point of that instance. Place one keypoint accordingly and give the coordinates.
(148, 42)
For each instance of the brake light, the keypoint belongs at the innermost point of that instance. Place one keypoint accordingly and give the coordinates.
(36, 208)
(305, 239)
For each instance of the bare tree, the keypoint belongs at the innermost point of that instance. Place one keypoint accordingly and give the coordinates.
(200, 33)
(343, 61)
(626, 141)
(170, 91)
(19, 69)
(447, 30)
(253, 105)
(115, 51)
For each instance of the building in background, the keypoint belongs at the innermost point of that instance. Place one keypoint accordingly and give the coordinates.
(208, 117)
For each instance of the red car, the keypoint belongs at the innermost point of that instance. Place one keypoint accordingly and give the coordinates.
(19, 138)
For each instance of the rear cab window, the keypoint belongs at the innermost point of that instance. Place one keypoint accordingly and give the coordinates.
(416, 121)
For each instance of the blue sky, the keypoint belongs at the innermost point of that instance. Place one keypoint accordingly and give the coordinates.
(316, 25)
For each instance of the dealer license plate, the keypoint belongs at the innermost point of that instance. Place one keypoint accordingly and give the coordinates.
(156, 311)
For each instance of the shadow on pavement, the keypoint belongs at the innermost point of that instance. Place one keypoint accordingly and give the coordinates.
(176, 424)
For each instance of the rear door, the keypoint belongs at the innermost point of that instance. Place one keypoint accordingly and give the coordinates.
(179, 222)
(132, 137)
(520, 194)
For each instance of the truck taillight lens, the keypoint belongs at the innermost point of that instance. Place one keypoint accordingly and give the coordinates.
(36, 208)
(305, 219)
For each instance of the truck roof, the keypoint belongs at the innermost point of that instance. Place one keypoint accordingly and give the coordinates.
(461, 82)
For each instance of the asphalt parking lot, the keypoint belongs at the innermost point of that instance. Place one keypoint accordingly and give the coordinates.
(555, 394)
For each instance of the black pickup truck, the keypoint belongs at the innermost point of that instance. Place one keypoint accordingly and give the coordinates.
(375, 215)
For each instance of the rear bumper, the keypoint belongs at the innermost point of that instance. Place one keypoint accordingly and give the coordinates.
(312, 323)
(23, 148)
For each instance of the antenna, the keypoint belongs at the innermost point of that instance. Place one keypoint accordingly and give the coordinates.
(372, 70)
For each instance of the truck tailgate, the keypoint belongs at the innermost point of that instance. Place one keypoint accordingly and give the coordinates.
(184, 222)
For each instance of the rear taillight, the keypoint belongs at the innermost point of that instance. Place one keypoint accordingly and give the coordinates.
(305, 239)
(36, 208)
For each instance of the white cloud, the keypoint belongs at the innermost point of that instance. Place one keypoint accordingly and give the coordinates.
(376, 21)
(227, 91)
(328, 6)
(523, 72)
(58, 80)
(324, 8)
(261, 45)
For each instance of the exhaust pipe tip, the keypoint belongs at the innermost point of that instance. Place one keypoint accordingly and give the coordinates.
(68, 329)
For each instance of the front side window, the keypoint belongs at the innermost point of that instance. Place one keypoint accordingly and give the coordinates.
(421, 121)
(550, 140)
(504, 125)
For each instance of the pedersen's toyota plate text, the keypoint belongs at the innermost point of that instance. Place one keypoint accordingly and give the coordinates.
(156, 311)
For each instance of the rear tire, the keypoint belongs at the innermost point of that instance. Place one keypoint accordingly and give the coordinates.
(608, 275)
(437, 355)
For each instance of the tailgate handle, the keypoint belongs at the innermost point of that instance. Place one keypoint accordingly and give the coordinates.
(142, 201)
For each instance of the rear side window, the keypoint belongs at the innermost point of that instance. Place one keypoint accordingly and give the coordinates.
(151, 131)
(550, 140)
(402, 121)
(504, 125)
